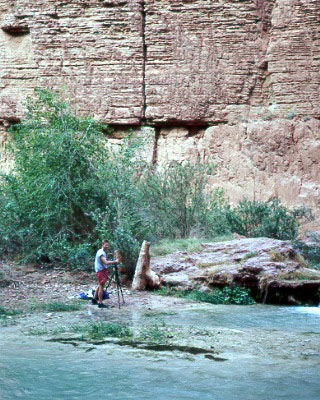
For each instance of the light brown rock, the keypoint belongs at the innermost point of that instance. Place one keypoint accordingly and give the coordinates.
(268, 267)
(258, 160)
(92, 48)
(236, 81)
(144, 277)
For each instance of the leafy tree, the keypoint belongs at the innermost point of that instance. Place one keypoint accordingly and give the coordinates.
(257, 218)
(67, 189)
(178, 201)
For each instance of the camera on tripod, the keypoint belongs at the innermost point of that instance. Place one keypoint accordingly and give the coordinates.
(115, 278)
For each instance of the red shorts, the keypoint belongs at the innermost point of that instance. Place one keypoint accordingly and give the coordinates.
(102, 276)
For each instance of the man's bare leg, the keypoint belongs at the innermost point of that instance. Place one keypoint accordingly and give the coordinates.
(98, 294)
(95, 297)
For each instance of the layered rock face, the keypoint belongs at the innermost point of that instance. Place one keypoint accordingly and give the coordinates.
(92, 48)
(271, 269)
(235, 81)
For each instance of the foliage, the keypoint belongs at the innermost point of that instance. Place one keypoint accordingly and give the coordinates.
(121, 219)
(67, 190)
(57, 158)
(7, 316)
(264, 219)
(55, 307)
(158, 332)
(101, 329)
(178, 202)
(310, 250)
(167, 246)
(227, 295)
(8, 312)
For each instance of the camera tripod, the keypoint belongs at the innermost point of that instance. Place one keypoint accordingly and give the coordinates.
(115, 277)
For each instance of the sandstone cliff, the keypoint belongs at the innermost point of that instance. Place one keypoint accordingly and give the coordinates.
(234, 80)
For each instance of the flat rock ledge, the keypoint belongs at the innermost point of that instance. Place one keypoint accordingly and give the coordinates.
(272, 269)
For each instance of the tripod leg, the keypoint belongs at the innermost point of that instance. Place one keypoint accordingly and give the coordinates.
(119, 287)
(110, 280)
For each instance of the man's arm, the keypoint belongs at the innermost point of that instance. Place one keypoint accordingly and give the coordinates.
(106, 262)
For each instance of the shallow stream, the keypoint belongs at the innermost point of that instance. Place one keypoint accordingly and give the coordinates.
(258, 359)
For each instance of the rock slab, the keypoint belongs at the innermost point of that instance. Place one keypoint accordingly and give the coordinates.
(271, 269)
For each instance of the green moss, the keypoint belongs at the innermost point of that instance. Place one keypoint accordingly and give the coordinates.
(227, 295)
(167, 246)
(7, 316)
(276, 256)
(55, 307)
(304, 275)
(158, 332)
(153, 314)
(213, 264)
(299, 259)
(7, 312)
(101, 329)
(250, 255)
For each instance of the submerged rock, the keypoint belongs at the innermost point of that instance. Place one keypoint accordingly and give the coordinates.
(272, 269)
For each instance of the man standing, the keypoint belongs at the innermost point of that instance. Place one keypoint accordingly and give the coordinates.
(100, 266)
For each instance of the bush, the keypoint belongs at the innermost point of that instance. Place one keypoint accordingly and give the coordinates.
(178, 202)
(57, 158)
(310, 250)
(67, 190)
(264, 219)
(228, 295)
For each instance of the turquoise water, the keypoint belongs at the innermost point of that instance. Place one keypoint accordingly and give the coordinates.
(31, 368)
(289, 319)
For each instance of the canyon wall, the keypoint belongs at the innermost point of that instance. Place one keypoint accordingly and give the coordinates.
(236, 81)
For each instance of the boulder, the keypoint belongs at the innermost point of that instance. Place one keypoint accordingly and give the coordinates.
(272, 269)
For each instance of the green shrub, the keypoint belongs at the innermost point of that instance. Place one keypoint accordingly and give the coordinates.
(178, 202)
(264, 219)
(67, 190)
(227, 295)
(310, 251)
(57, 158)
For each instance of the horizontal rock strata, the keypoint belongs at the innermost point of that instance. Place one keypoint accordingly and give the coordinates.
(235, 81)
(92, 48)
(195, 61)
